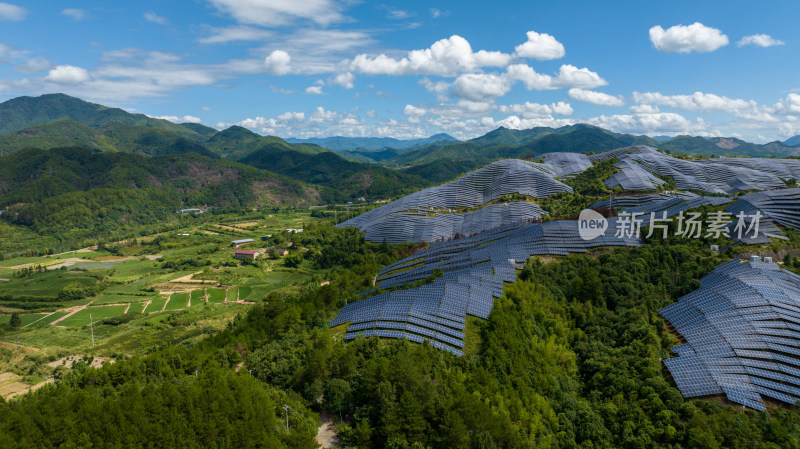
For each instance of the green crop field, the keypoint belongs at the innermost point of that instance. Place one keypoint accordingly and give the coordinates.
(156, 304)
(98, 313)
(48, 319)
(244, 291)
(45, 285)
(177, 301)
(230, 295)
(216, 295)
(198, 297)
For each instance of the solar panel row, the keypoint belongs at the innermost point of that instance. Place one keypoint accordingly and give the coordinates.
(742, 329)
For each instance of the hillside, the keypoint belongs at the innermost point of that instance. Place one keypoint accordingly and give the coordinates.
(115, 137)
(792, 141)
(236, 142)
(339, 143)
(23, 112)
(331, 170)
(74, 193)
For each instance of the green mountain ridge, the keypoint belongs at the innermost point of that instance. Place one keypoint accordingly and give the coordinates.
(23, 112)
(112, 138)
(75, 193)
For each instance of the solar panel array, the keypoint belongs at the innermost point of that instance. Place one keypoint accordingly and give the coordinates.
(742, 328)
(720, 175)
(474, 271)
(782, 206)
(474, 189)
(631, 176)
(425, 226)
(567, 164)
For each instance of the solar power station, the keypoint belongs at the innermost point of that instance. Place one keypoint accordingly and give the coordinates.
(478, 243)
(428, 215)
(742, 328)
(474, 271)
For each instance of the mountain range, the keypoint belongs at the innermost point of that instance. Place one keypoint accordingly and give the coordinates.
(340, 143)
(70, 164)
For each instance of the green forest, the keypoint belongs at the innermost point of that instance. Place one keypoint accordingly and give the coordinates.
(570, 357)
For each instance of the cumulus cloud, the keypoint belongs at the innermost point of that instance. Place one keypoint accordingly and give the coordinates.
(67, 74)
(446, 57)
(668, 123)
(686, 39)
(154, 18)
(275, 13)
(480, 86)
(12, 13)
(176, 119)
(699, 101)
(760, 40)
(343, 79)
(74, 13)
(278, 63)
(594, 97)
(568, 76)
(789, 105)
(531, 110)
(540, 46)
(316, 88)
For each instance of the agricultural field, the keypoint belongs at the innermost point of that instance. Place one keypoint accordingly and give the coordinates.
(137, 291)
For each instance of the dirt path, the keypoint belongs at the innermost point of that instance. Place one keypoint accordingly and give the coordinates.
(27, 388)
(146, 305)
(127, 308)
(164, 307)
(73, 312)
(188, 279)
(326, 433)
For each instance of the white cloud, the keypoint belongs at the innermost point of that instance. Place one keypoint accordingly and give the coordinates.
(789, 105)
(236, 33)
(540, 46)
(760, 40)
(534, 110)
(12, 13)
(399, 14)
(372, 113)
(152, 17)
(440, 88)
(278, 63)
(343, 79)
(668, 123)
(316, 89)
(414, 112)
(446, 57)
(176, 119)
(34, 65)
(529, 77)
(75, 14)
(685, 39)
(279, 12)
(571, 76)
(644, 109)
(67, 74)
(590, 96)
(480, 86)
(568, 76)
(206, 108)
(699, 101)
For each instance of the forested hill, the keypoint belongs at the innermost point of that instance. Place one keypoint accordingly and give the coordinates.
(74, 192)
(329, 169)
(143, 140)
(23, 112)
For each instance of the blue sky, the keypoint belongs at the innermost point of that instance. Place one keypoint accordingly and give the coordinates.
(301, 68)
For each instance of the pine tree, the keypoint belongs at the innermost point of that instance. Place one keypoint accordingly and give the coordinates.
(16, 321)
